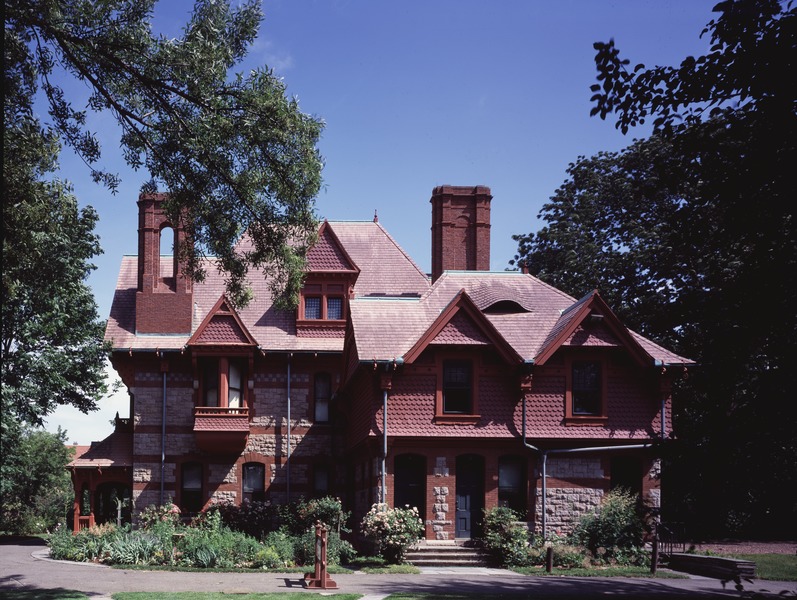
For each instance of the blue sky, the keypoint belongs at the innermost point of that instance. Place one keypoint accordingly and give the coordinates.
(417, 94)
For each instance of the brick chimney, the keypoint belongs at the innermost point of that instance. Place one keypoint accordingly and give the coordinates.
(164, 299)
(460, 229)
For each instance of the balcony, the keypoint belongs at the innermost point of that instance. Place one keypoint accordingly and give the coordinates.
(221, 430)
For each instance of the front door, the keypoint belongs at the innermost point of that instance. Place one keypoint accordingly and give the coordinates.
(470, 496)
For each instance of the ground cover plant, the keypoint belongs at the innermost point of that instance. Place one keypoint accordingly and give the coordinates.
(212, 540)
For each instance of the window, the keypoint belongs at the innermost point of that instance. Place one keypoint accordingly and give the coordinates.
(223, 382)
(254, 487)
(512, 483)
(586, 388)
(191, 500)
(334, 308)
(323, 302)
(321, 480)
(457, 387)
(322, 392)
(312, 307)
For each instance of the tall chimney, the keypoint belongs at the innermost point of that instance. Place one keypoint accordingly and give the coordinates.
(164, 298)
(460, 229)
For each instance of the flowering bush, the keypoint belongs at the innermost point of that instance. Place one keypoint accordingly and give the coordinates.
(505, 537)
(164, 513)
(393, 530)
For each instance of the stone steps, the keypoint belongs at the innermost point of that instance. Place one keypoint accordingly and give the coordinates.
(449, 555)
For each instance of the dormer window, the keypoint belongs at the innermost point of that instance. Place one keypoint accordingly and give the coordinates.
(323, 304)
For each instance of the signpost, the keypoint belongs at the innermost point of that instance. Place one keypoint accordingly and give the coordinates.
(320, 579)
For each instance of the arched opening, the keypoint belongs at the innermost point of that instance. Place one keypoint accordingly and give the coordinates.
(409, 481)
(470, 496)
(112, 503)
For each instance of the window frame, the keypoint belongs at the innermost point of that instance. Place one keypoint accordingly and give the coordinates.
(521, 493)
(441, 416)
(316, 378)
(253, 495)
(184, 491)
(600, 416)
(222, 379)
(324, 290)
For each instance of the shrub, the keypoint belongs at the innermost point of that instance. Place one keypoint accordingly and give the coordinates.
(505, 539)
(209, 543)
(268, 558)
(393, 530)
(256, 519)
(137, 548)
(154, 514)
(328, 510)
(283, 544)
(338, 550)
(564, 555)
(614, 531)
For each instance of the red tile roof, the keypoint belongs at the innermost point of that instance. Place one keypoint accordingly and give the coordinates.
(114, 451)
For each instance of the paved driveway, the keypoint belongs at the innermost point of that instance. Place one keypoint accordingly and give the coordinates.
(24, 564)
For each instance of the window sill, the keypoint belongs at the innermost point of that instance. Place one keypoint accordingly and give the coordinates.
(330, 323)
(586, 421)
(446, 419)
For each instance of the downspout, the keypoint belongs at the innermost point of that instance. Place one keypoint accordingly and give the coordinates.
(288, 459)
(382, 493)
(163, 432)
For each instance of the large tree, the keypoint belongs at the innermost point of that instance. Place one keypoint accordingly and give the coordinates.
(691, 234)
(52, 351)
(234, 153)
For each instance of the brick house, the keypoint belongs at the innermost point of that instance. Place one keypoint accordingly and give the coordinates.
(453, 392)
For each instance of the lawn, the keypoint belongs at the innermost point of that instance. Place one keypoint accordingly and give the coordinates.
(774, 567)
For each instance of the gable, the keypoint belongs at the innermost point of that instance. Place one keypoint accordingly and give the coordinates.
(222, 327)
(461, 329)
(461, 322)
(327, 254)
(590, 322)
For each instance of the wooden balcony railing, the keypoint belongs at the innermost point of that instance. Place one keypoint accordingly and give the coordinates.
(221, 411)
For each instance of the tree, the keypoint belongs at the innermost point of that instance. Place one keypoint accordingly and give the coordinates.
(52, 351)
(35, 485)
(235, 154)
(691, 235)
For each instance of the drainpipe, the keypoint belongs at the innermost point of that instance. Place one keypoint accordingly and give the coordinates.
(382, 494)
(163, 431)
(663, 417)
(288, 460)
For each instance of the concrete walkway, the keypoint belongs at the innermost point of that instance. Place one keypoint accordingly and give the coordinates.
(25, 565)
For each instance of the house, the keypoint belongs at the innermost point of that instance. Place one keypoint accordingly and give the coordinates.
(453, 392)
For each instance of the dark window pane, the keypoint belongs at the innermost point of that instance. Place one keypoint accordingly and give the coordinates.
(586, 388)
(312, 307)
(457, 393)
(322, 392)
(334, 308)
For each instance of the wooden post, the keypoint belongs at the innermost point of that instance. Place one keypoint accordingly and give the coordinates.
(549, 559)
(654, 558)
(320, 579)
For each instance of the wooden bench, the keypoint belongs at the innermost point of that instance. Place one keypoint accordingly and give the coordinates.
(726, 569)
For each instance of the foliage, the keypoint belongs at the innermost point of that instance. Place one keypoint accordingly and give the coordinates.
(613, 533)
(155, 514)
(87, 545)
(233, 151)
(284, 545)
(338, 550)
(35, 485)
(505, 538)
(690, 237)
(328, 510)
(209, 543)
(256, 519)
(51, 349)
(393, 530)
